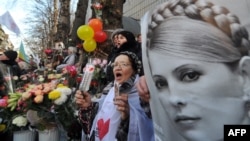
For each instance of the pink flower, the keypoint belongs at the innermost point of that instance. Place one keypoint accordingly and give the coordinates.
(38, 92)
(99, 61)
(38, 99)
(104, 61)
(7, 78)
(94, 62)
(97, 6)
(3, 102)
(72, 70)
(101, 65)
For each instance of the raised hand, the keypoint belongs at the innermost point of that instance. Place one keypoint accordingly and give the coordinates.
(83, 99)
(142, 88)
(121, 102)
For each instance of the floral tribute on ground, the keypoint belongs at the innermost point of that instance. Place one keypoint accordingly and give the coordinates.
(40, 100)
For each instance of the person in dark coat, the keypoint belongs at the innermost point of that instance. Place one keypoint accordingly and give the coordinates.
(9, 59)
(3, 89)
(126, 41)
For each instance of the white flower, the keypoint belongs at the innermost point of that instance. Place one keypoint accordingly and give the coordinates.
(65, 90)
(41, 79)
(15, 77)
(61, 99)
(20, 121)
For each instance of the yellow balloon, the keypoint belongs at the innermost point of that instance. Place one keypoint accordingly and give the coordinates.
(89, 45)
(85, 32)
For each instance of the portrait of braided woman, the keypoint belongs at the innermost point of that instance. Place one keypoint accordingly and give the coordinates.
(204, 83)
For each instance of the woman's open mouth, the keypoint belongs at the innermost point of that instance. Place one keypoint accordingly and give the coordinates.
(118, 76)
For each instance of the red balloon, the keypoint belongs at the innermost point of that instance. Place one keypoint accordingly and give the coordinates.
(100, 36)
(96, 24)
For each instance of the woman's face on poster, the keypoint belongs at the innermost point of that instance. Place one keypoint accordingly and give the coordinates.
(199, 97)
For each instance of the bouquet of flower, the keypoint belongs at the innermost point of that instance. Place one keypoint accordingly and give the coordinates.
(99, 77)
(41, 99)
(70, 76)
(45, 100)
(43, 103)
(12, 118)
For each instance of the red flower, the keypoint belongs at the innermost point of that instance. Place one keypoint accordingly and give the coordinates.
(79, 79)
(94, 83)
(48, 51)
(71, 70)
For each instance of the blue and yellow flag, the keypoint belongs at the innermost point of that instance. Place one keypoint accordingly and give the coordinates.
(22, 55)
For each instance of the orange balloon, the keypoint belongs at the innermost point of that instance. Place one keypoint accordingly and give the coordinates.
(96, 24)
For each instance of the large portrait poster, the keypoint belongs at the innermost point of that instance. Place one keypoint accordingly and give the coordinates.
(180, 124)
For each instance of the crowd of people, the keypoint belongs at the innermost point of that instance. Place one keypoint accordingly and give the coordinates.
(182, 79)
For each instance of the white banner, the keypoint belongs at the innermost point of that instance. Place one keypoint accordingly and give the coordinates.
(7, 20)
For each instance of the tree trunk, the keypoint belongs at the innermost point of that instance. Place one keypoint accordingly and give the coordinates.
(55, 17)
(63, 27)
(112, 13)
(80, 16)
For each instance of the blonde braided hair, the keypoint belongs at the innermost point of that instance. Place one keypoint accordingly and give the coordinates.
(202, 10)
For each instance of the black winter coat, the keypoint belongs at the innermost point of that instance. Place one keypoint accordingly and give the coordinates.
(125, 47)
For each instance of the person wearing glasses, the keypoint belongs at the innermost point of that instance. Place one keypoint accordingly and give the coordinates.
(197, 68)
(117, 115)
(122, 40)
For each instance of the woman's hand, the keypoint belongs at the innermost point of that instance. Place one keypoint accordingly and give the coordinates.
(83, 99)
(142, 89)
(121, 102)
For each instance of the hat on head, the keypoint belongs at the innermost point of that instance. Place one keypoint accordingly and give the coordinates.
(12, 55)
(115, 32)
(129, 36)
(136, 62)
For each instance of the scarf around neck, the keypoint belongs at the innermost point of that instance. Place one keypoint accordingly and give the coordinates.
(107, 120)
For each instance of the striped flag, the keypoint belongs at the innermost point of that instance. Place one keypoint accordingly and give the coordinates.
(7, 20)
(22, 55)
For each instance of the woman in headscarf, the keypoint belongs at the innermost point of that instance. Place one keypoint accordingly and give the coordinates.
(117, 115)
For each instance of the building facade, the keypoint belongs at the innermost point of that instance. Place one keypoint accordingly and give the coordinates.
(137, 8)
(5, 43)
